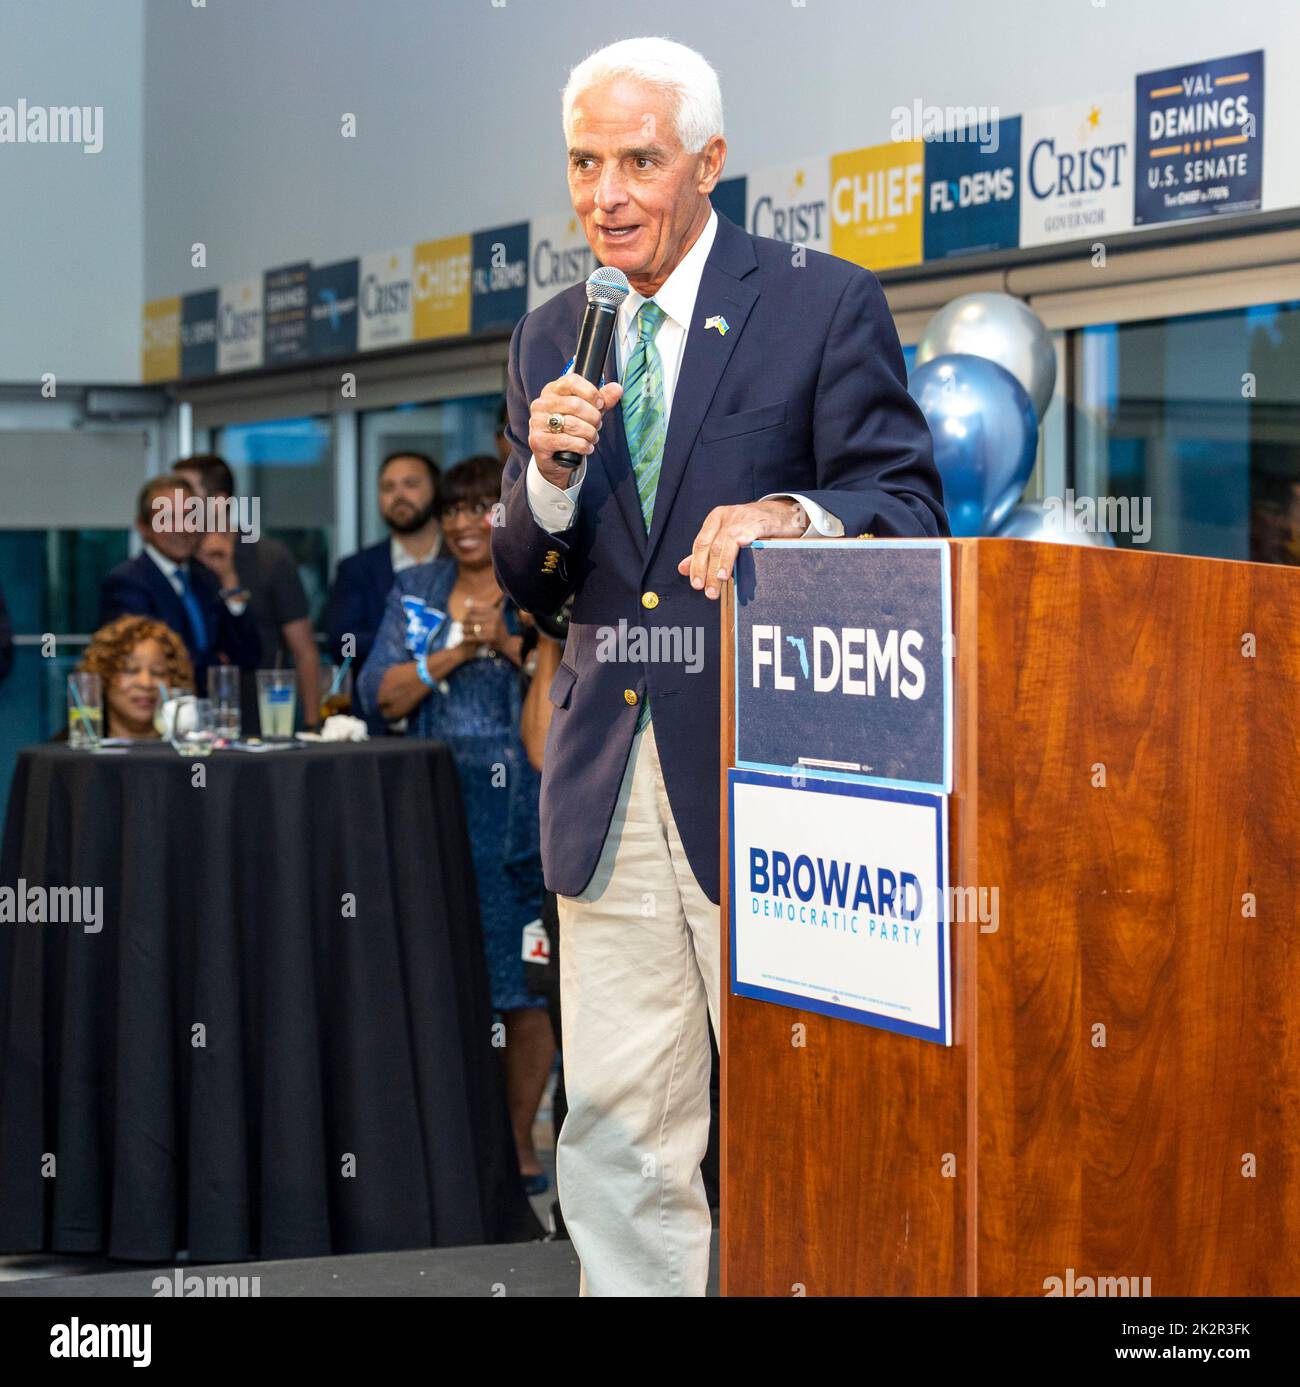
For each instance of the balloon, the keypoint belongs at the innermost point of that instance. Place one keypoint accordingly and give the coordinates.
(1001, 328)
(1048, 521)
(985, 437)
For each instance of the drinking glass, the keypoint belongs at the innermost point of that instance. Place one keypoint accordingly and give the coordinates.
(276, 701)
(194, 727)
(85, 710)
(164, 713)
(335, 689)
(223, 690)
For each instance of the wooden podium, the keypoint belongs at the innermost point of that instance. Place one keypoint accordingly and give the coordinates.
(1127, 775)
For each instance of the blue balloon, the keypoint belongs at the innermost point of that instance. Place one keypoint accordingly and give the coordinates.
(985, 437)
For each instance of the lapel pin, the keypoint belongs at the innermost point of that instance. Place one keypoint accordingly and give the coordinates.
(719, 322)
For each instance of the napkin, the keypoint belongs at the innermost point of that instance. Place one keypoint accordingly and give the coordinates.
(342, 728)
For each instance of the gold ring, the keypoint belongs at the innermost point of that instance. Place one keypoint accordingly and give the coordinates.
(555, 422)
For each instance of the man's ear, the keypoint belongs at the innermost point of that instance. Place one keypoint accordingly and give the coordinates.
(711, 176)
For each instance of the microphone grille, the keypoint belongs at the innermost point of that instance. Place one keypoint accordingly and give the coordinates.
(607, 285)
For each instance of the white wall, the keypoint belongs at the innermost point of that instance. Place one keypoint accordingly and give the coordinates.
(71, 223)
(222, 122)
(458, 100)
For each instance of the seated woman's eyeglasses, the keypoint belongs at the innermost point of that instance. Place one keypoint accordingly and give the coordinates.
(476, 509)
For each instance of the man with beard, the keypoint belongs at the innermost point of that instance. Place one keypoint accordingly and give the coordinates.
(408, 495)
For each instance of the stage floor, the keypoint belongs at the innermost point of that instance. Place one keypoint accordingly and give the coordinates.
(511, 1269)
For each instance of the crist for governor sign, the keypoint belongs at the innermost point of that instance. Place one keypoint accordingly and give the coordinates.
(843, 660)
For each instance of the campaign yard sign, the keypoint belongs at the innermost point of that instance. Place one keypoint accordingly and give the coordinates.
(972, 189)
(333, 292)
(199, 334)
(1200, 139)
(838, 896)
(286, 302)
(844, 660)
(1076, 176)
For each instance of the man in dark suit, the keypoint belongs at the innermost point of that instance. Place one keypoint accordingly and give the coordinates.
(762, 395)
(408, 499)
(166, 581)
(277, 602)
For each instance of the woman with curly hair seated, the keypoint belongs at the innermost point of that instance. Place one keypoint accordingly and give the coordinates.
(133, 657)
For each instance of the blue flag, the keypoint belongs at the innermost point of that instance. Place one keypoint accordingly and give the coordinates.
(423, 622)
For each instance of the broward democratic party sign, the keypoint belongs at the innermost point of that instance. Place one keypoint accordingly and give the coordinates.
(838, 894)
(843, 660)
(1200, 140)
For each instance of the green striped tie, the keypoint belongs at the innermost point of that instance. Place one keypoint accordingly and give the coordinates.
(643, 408)
(644, 425)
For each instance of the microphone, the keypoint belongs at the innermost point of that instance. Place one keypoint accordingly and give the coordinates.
(607, 287)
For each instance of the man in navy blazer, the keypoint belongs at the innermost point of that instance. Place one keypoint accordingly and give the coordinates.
(763, 395)
(408, 498)
(167, 582)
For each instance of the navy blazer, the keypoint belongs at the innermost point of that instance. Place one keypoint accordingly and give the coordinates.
(806, 391)
(140, 587)
(356, 605)
(357, 597)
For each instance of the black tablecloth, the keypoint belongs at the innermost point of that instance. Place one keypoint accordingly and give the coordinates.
(237, 1063)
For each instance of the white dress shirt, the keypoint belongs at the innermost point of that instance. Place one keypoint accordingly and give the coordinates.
(554, 507)
(171, 571)
(402, 558)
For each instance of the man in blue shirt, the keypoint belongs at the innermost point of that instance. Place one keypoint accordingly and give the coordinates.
(166, 581)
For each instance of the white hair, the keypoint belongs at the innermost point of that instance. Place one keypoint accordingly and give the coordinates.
(683, 74)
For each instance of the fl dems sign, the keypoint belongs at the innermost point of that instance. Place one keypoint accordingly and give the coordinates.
(838, 804)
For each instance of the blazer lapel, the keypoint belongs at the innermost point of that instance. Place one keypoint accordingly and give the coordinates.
(723, 290)
(611, 448)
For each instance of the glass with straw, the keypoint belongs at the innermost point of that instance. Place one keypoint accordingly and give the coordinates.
(275, 704)
(338, 695)
(85, 710)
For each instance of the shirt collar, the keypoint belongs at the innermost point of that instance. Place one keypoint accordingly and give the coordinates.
(170, 567)
(677, 294)
(400, 558)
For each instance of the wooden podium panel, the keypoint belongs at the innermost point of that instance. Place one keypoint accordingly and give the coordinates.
(1123, 1097)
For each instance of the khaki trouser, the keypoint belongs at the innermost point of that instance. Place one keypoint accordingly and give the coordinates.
(639, 965)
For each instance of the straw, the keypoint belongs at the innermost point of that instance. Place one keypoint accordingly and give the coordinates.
(338, 677)
(86, 725)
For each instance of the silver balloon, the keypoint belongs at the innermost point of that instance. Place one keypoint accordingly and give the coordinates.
(1001, 328)
(1051, 522)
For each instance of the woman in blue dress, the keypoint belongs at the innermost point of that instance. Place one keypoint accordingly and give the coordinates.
(446, 658)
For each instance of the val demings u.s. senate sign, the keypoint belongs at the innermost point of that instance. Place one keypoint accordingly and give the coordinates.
(844, 660)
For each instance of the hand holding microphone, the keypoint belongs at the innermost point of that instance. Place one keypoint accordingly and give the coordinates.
(580, 406)
(566, 417)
